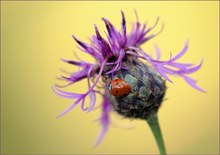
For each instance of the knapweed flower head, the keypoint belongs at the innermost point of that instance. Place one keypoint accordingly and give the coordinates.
(132, 87)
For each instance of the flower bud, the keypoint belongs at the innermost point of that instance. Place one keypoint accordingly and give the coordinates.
(147, 89)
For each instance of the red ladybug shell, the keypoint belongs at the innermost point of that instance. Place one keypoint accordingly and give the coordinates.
(119, 87)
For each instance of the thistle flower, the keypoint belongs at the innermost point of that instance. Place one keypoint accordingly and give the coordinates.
(131, 87)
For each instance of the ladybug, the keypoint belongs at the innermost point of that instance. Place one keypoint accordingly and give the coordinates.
(119, 88)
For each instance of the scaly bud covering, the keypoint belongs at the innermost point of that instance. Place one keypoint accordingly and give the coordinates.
(147, 89)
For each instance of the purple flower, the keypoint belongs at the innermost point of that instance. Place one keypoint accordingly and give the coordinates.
(110, 55)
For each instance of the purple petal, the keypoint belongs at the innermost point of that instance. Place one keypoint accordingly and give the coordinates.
(162, 73)
(180, 65)
(134, 34)
(70, 108)
(124, 28)
(89, 75)
(81, 63)
(108, 25)
(114, 36)
(181, 53)
(81, 97)
(82, 44)
(92, 96)
(190, 70)
(155, 24)
(88, 49)
(83, 104)
(104, 119)
(170, 66)
(144, 39)
(77, 76)
(158, 53)
(192, 83)
(138, 35)
(98, 76)
(65, 93)
(104, 46)
(118, 62)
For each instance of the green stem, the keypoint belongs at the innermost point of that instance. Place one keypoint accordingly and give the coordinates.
(152, 120)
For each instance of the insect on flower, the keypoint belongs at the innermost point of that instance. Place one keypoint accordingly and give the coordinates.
(129, 86)
(119, 87)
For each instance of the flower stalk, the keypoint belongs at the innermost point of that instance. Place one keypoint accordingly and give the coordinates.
(153, 122)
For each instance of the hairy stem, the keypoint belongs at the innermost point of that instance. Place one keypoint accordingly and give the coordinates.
(152, 120)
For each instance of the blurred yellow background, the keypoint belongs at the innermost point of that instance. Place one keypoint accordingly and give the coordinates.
(35, 35)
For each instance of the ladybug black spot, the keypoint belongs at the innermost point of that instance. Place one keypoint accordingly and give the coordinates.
(117, 92)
